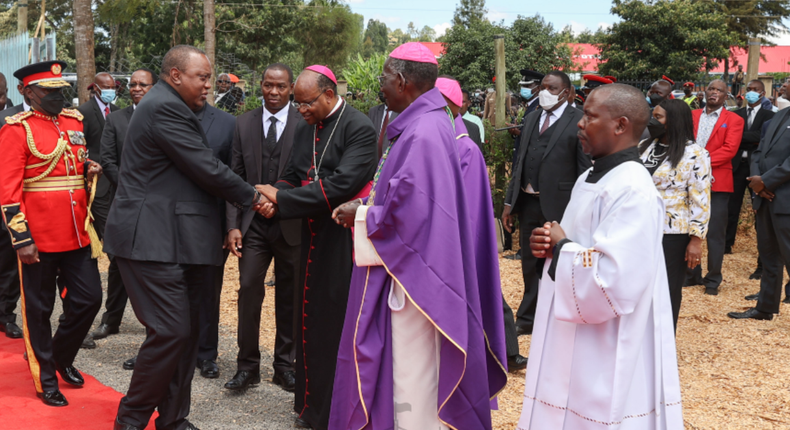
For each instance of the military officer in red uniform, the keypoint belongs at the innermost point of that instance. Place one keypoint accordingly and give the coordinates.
(44, 192)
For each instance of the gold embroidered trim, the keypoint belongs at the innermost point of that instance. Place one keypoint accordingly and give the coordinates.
(17, 119)
(562, 408)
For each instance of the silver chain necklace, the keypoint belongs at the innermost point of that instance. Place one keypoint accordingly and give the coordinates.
(317, 167)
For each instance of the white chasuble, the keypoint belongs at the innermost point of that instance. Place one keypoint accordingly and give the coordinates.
(603, 354)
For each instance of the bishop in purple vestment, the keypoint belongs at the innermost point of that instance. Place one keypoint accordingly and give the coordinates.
(420, 224)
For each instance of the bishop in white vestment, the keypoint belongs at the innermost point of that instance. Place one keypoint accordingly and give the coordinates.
(602, 355)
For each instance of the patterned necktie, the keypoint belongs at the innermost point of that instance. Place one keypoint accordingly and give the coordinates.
(545, 125)
(106, 111)
(271, 135)
(749, 113)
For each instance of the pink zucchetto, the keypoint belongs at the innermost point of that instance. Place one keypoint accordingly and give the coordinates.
(414, 51)
(450, 89)
(324, 71)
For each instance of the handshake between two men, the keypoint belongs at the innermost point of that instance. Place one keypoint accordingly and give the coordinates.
(265, 204)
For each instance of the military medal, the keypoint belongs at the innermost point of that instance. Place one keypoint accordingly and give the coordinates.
(76, 137)
(82, 155)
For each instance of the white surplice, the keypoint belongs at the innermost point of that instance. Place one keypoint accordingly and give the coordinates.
(603, 354)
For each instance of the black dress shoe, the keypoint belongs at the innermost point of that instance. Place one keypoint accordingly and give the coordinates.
(752, 297)
(129, 364)
(62, 318)
(286, 380)
(521, 331)
(123, 426)
(518, 362)
(208, 369)
(751, 314)
(728, 250)
(103, 331)
(302, 423)
(711, 291)
(243, 380)
(516, 256)
(53, 398)
(88, 343)
(786, 300)
(191, 426)
(758, 273)
(70, 375)
(269, 283)
(13, 331)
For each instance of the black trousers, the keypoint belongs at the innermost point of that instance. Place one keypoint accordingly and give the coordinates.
(741, 186)
(80, 275)
(773, 242)
(511, 337)
(209, 314)
(9, 277)
(166, 299)
(116, 292)
(530, 218)
(675, 259)
(262, 243)
(717, 232)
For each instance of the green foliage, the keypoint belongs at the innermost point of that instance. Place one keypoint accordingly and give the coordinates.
(530, 42)
(674, 38)
(252, 102)
(330, 34)
(362, 74)
(376, 34)
(754, 18)
(498, 151)
(469, 12)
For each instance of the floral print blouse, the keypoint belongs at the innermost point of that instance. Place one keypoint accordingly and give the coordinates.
(685, 189)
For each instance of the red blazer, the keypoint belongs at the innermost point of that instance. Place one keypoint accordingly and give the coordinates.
(725, 138)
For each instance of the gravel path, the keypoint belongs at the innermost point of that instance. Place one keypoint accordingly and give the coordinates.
(266, 406)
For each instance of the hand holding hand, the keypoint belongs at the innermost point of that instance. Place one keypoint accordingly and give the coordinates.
(756, 183)
(268, 191)
(344, 214)
(264, 206)
(28, 254)
(233, 242)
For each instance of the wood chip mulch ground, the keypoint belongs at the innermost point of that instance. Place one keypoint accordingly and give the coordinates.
(734, 374)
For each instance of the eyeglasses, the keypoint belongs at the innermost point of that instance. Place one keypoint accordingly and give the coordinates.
(223, 82)
(298, 105)
(384, 76)
(139, 84)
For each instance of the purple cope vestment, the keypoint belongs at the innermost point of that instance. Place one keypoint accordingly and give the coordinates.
(421, 227)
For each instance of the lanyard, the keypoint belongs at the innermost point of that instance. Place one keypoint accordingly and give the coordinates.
(315, 136)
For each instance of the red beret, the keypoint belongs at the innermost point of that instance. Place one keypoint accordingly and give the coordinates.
(611, 78)
(689, 84)
(664, 77)
(596, 78)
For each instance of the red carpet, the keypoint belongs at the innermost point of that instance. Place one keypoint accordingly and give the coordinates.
(92, 407)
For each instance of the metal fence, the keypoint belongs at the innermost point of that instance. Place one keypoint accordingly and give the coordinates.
(19, 51)
(644, 84)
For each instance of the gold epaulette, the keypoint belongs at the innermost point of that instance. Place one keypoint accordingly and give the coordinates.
(18, 118)
(72, 113)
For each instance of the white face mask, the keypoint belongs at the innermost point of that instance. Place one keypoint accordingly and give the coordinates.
(548, 100)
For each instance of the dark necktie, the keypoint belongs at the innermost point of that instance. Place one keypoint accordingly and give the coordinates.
(749, 116)
(545, 125)
(106, 111)
(271, 135)
(383, 131)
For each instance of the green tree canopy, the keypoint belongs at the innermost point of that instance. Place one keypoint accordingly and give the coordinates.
(530, 42)
(469, 12)
(675, 38)
(377, 32)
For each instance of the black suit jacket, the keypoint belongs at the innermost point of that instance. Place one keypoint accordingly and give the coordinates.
(474, 133)
(563, 162)
(533, 106)
(112, 142)
(771, 161)
(376, 114)
(165, 209)
(5, 113)
(246, 162)
(93, 127)
(751, 135)
(219, 126)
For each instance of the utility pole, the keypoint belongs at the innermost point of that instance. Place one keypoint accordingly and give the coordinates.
(499, 46)
(21, 25)
(753, 62)
(209, 36)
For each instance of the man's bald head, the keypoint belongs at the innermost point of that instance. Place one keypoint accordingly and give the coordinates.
(615, 116)
(178, 57)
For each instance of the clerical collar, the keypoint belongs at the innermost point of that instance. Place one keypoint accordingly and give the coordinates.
(337, 106)
(602, 166)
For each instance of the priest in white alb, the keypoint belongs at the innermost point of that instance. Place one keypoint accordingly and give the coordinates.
(602, 355)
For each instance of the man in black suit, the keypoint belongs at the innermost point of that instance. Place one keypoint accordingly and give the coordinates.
(95, 112)
(380, 121)
(261, 149)
(13, 110)
(753, 117)
(164, 230)
(770, 173)
(550, 159)
(114, 133)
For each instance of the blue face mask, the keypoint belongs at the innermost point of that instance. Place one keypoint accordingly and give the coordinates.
(526, 93)
(107, 96)
(648, 100)
(752, 97)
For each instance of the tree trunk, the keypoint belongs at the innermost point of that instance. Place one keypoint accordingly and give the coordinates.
(209, 35)
(114, 29)
(726, 74)
(22, 16)
(83, 47)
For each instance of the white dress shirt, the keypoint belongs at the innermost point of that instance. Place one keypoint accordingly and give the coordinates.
(706, 123)
(102, 106)
(282, 119)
